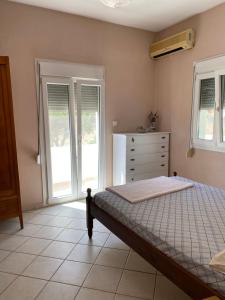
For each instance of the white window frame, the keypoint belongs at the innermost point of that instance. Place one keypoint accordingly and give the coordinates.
(202, 70)
(102, 165)
(69, 73)
(69, 83)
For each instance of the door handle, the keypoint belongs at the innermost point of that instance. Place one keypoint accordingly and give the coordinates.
(132, 139)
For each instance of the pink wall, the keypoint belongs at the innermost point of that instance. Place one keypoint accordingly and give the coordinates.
(173, 96)
(27, 33)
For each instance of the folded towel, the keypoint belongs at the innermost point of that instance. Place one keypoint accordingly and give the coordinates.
(218, 262)
(150, 188)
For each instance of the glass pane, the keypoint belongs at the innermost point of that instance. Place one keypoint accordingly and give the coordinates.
(206, 109)
(59, 127)
(90, 96)
(223, 105)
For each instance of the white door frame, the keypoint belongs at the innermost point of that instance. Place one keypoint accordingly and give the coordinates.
(75, 137)
(102, 163)
(69, 83)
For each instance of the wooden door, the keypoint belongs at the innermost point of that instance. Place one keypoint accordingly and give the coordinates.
(10, 202)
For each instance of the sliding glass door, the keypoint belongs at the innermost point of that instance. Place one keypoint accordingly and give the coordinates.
(73, 137)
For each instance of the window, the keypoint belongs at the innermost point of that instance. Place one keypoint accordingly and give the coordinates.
(208, 123)
(71, 129)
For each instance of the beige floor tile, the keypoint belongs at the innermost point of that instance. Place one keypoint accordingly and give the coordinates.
(98, 239)
(23, 288)
(84, 253)
(72, 272)
(166, 290)
(41, 219)
(16, 262)
(51, 210)
(3, 254)
(70, 235)
(112, 257)
(60, 221)
(122, 297)
(58, 249)
(34, 246)
(100, 227)
(114, 242)
(58, 291)
(29, 230)
(48, 232)
(11, 242)
(137, 284)
(9, 227)
(43, 267)
(89, 294)
(136, 263)
(5, 280)
(103, 278)
(77, 224)
(72, 213)
(27, 216)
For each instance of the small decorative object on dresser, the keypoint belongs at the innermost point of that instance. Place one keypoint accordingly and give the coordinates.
(10, 202)
(139, 156)
(153, 119)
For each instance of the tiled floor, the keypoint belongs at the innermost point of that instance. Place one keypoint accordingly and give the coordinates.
(52, 258)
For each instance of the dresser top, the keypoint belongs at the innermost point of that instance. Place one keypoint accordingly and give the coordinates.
(145, 133)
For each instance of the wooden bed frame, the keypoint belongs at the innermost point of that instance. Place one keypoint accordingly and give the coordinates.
(189, 283)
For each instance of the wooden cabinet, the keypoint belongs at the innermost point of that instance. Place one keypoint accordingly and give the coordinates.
(140, 156)
(10, 202)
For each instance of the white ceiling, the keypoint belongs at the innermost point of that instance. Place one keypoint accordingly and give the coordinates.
(153, 15)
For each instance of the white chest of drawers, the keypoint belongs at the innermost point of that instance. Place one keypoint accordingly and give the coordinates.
(138, 156)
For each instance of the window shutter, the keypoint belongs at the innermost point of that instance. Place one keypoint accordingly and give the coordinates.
(207, 93)
(90, 98)
(58, 97)
(223, 91)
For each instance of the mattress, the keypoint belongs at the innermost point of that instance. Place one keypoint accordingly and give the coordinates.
(188, 226)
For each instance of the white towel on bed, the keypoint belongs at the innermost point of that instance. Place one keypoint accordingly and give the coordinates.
(218, 262)
(150, 188)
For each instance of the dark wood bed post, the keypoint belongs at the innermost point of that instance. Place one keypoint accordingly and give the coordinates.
(88, 213)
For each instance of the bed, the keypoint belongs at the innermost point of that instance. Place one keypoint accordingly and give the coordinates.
(177, 233)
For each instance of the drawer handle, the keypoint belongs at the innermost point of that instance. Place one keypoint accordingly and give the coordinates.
(132, 179)
(162, 165)
(132, 139)
(163, 147)
(163, 137)
(132, 169)
(132, 149)
(132, 159)
(162, 155)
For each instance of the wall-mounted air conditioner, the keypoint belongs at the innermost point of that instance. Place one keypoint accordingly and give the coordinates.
(175, 43)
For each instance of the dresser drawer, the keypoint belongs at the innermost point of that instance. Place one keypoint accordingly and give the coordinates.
(148, 139)
(147, 168)
(147, 149)
(136, 159)
(136, 177)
